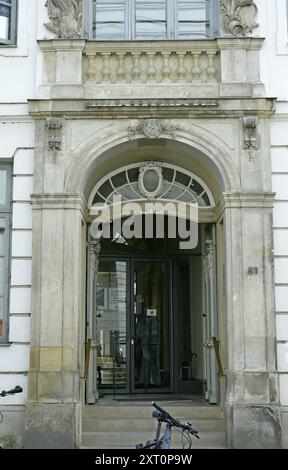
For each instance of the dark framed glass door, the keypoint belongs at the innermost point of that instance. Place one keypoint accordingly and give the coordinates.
(112, 325)
(151, 345)
(133, 325)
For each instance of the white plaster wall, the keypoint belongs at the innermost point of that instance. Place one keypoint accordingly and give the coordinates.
(7, 382)
(18, 84)
(279, 139)
(274, 65)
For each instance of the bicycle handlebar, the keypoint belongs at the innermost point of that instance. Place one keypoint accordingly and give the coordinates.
(176, 422)
(15, 390)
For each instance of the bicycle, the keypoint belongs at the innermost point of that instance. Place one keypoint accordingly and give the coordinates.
(164, 441)
(5, 393)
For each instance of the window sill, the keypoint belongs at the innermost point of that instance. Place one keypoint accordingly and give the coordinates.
(8, 46)
(5, 344)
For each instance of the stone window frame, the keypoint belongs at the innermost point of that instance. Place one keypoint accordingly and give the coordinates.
(12, 40)
(172, 23)
(5, 228)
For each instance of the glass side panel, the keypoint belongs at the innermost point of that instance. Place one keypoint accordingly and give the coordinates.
(111, 324)
(109, 19)
(150, 19)
(151, 311)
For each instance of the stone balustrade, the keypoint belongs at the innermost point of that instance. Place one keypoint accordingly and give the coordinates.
(222, 67)
(171, 62)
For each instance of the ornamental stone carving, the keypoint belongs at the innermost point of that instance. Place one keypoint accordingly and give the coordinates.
(54, 127)
(151, 128)
(238, 17)
(66, 18)
(250, 133)
(150, 180)
(250, 136)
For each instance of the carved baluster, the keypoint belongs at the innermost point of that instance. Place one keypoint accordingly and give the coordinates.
(113, 68)
(196, 70)
(151, 72)
(144, 69)
(121, 66)
(181, 71)
(91, 69)
(129, 68)
(106, 68)
(166, 67)
(211, 69)
(136, 72)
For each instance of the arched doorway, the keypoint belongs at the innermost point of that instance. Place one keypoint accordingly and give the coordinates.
(242, 220)
(152, 306)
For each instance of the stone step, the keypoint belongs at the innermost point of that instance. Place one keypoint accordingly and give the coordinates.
(129, 440)
(144, 410)
(92, 424)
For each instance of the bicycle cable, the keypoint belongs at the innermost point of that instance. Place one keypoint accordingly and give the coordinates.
(185, 434)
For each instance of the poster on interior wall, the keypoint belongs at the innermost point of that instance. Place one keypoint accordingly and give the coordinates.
(117, 298)
(109, 321)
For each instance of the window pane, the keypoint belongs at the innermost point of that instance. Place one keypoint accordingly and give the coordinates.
(2, 279)
(1, 243)
(1, 317)
(151, 19)
(193, 20)
(2, 264)
(109, 19)
(3, 176)
(5, 21)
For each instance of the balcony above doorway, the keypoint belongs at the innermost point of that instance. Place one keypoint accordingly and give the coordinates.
(226, 67)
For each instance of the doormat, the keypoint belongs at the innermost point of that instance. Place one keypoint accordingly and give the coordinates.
(151, 398)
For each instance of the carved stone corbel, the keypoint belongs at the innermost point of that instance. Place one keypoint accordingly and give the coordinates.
(66, 18)
(238, 17)
(250, 135)
(54, 127)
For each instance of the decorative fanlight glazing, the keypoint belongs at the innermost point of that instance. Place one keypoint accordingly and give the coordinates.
(153, 180)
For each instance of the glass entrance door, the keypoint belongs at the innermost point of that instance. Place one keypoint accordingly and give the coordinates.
(150, 326)
(133, 318)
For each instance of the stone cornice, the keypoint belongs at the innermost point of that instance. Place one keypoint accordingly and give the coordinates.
(240, 43)
(263, 200)
(54, 45)
(206, 45)
(59, 201)
(160, 108)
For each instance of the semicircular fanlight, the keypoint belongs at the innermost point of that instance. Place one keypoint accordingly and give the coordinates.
(152, 180)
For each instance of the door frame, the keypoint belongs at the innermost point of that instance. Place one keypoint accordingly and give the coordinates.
(133, 257)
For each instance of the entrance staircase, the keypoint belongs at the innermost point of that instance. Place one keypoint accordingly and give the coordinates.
(122, 425)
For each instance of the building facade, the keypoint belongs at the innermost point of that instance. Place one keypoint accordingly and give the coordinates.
(149, 101)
